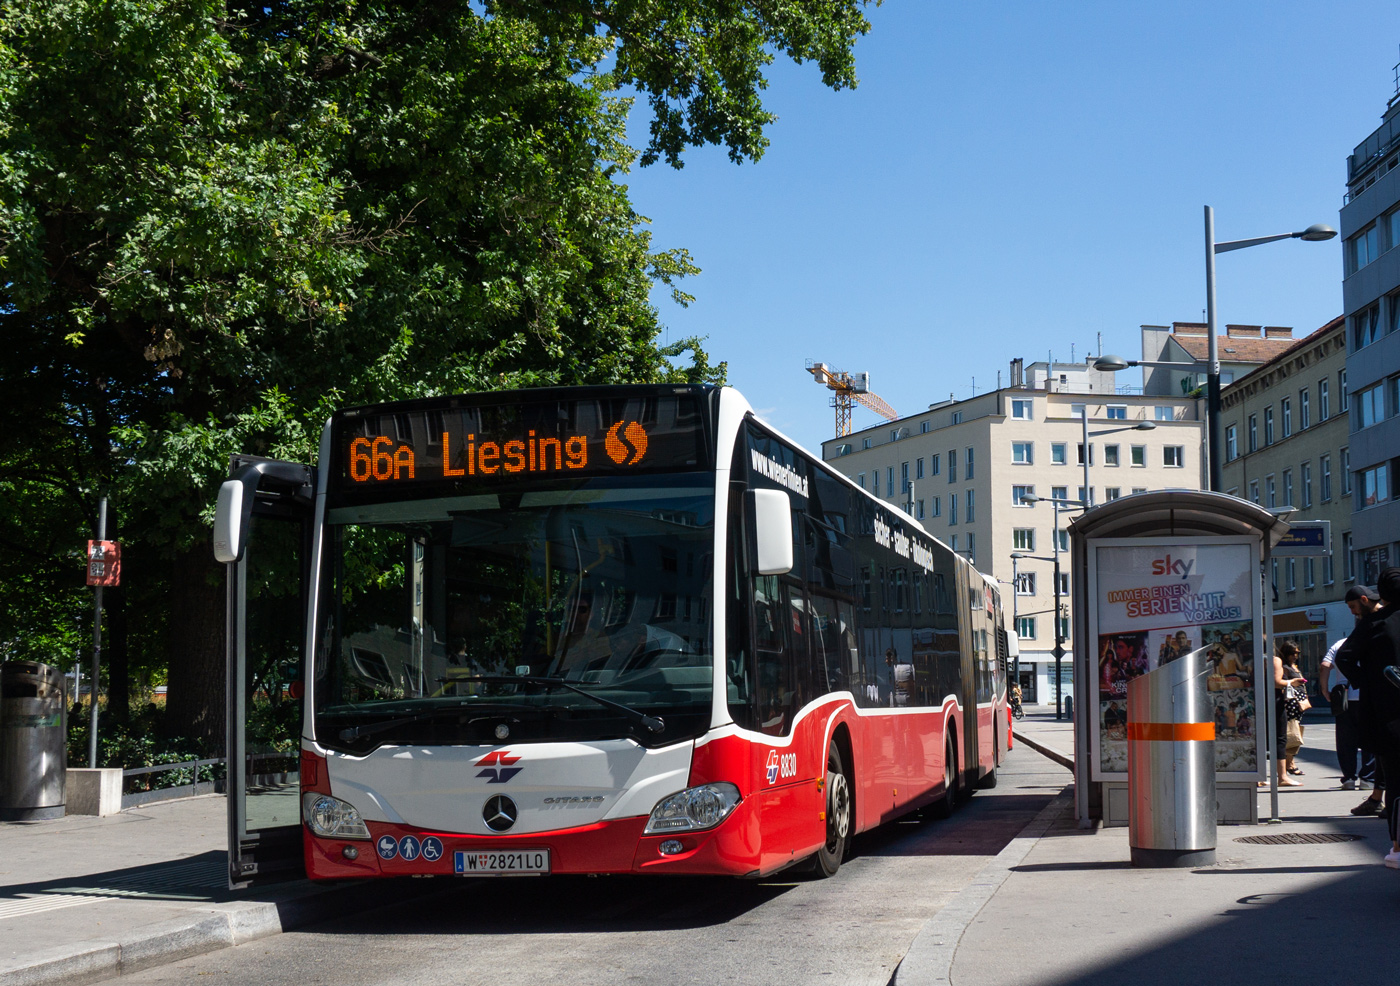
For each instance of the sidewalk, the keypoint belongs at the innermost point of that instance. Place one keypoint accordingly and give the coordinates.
(1064, 906)
(85, 898)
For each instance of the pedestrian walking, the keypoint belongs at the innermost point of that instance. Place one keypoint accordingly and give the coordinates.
(1286, 679)
(1364, 603)
(1357, 763)
(1380, 698)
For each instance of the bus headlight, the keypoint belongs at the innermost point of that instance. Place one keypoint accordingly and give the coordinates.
(331, 818)
(694, 808)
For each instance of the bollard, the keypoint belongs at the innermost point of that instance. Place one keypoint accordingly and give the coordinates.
(1171, 765)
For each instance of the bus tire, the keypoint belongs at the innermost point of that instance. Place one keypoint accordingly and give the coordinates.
(989, 779)
(943, 807)
(838, 816)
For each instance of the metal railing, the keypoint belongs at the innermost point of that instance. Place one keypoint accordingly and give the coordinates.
(197, 787)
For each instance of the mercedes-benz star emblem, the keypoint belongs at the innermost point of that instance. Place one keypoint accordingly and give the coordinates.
(499, 813)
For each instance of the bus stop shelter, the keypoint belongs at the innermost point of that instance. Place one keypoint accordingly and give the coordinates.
(1156, 575)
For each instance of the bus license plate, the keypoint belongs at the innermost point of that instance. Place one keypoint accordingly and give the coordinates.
(499, 862)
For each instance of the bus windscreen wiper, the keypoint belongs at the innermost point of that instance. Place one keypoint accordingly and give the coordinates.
(654, 724)
(355, 732)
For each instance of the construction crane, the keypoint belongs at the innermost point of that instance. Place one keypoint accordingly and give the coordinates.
(847, 388)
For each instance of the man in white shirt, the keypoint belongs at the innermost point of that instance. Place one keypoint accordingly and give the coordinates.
(1344, 697)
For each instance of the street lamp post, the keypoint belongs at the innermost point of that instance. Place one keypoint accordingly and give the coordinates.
(1059, 651)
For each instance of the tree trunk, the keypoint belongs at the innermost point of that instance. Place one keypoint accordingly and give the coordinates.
(195, 701)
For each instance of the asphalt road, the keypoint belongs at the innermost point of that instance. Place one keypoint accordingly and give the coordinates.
(854, 928)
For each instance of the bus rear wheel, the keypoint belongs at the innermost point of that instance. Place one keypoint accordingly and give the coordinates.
(943, 807)
(838, 815)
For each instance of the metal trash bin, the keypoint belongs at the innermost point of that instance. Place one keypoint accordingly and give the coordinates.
(1171, 765)
(33, 732)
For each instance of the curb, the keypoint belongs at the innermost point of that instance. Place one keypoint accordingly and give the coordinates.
(209, 929)
(1063, 759)
(930, 956)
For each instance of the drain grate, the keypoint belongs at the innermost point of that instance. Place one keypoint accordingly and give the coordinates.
(1296, 839)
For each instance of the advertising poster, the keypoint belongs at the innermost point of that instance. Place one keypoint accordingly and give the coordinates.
(1156, 602)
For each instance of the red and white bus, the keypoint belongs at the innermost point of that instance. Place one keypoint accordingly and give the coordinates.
(624, 629)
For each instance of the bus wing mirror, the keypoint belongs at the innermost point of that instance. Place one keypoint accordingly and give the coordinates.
(772, 529)
(230, 522)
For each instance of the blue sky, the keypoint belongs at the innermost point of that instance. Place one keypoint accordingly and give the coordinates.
(1014, 179)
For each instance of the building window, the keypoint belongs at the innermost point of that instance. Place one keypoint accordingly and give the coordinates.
(1329, 571)
(1021, 408)
(1254, 432)
(1291, 575)
(972, 548)
(1057, 453)
(952, 509)
(1064, 635)
(1348, 558)
(875, 479)
(1139, 454)
(1375, 484)
(1078, 410)
(1059, 492)
(1254, 490)
(1270, 492)
(934, 462)
(1164, 413)
(860, 480)
(1079, 452)
(1370, 406)
(1139, 489)
(1323, 411)
(904, 477)
(1309, 573)
(894, 434)
(1269, 425)
(924, 427)
(1117, 412)
(935, 506)
(1366, 326)
(953, 543)
(1174, 456)
(1023, 453)
(1110, 455)
(1018, 495)
(952, 465)
(865, 443)
(1273, 575)
(1112, 493)
(1232, 448)
(1324, 464)
(1025, 627)
(968, 463)
(1342, 401)
(921, 509)
(1025, 583)
(1346, 470)
(919, 467)
(957, 417)
(889, 481)
(1307, 484)
(1361, 249)
(971, 506)
(1288, 487)
(1304, 410)
(1286, 413)
(1023, 539)
(1086, 497)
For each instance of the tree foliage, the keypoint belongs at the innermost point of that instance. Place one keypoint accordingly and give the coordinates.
(220, 219)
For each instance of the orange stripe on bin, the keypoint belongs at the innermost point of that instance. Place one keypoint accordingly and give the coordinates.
(1171, 732)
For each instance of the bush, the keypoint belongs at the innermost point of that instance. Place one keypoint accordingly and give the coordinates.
(139, 741)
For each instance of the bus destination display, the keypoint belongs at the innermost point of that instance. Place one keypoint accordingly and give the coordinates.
(491, 444)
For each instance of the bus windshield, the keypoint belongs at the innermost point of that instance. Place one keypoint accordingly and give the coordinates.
(428, 607)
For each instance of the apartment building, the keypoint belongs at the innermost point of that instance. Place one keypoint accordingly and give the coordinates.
(1284, 429)
(1181, 352)
(963, 469)
(1370, 228)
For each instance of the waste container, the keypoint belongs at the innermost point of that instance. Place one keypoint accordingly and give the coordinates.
(33, 729)
(1171, 765)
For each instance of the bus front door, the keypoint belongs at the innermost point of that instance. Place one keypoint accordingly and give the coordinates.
(262, 534)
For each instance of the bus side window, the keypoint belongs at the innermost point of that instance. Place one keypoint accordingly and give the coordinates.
(774, 684)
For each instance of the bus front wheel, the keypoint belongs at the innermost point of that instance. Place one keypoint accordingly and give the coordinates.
(838, 815)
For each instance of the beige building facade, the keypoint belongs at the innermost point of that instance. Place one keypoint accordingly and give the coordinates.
(1284, 429)
(964, 468)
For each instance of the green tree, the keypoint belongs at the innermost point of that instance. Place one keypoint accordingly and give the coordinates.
(218, 220)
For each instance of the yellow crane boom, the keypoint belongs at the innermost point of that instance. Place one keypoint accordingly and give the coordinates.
(846, 389)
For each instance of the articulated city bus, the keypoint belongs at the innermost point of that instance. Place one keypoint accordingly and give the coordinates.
(622, 629)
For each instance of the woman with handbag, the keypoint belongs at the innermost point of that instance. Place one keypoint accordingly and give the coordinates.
(1295, 703)
(1286, 679)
